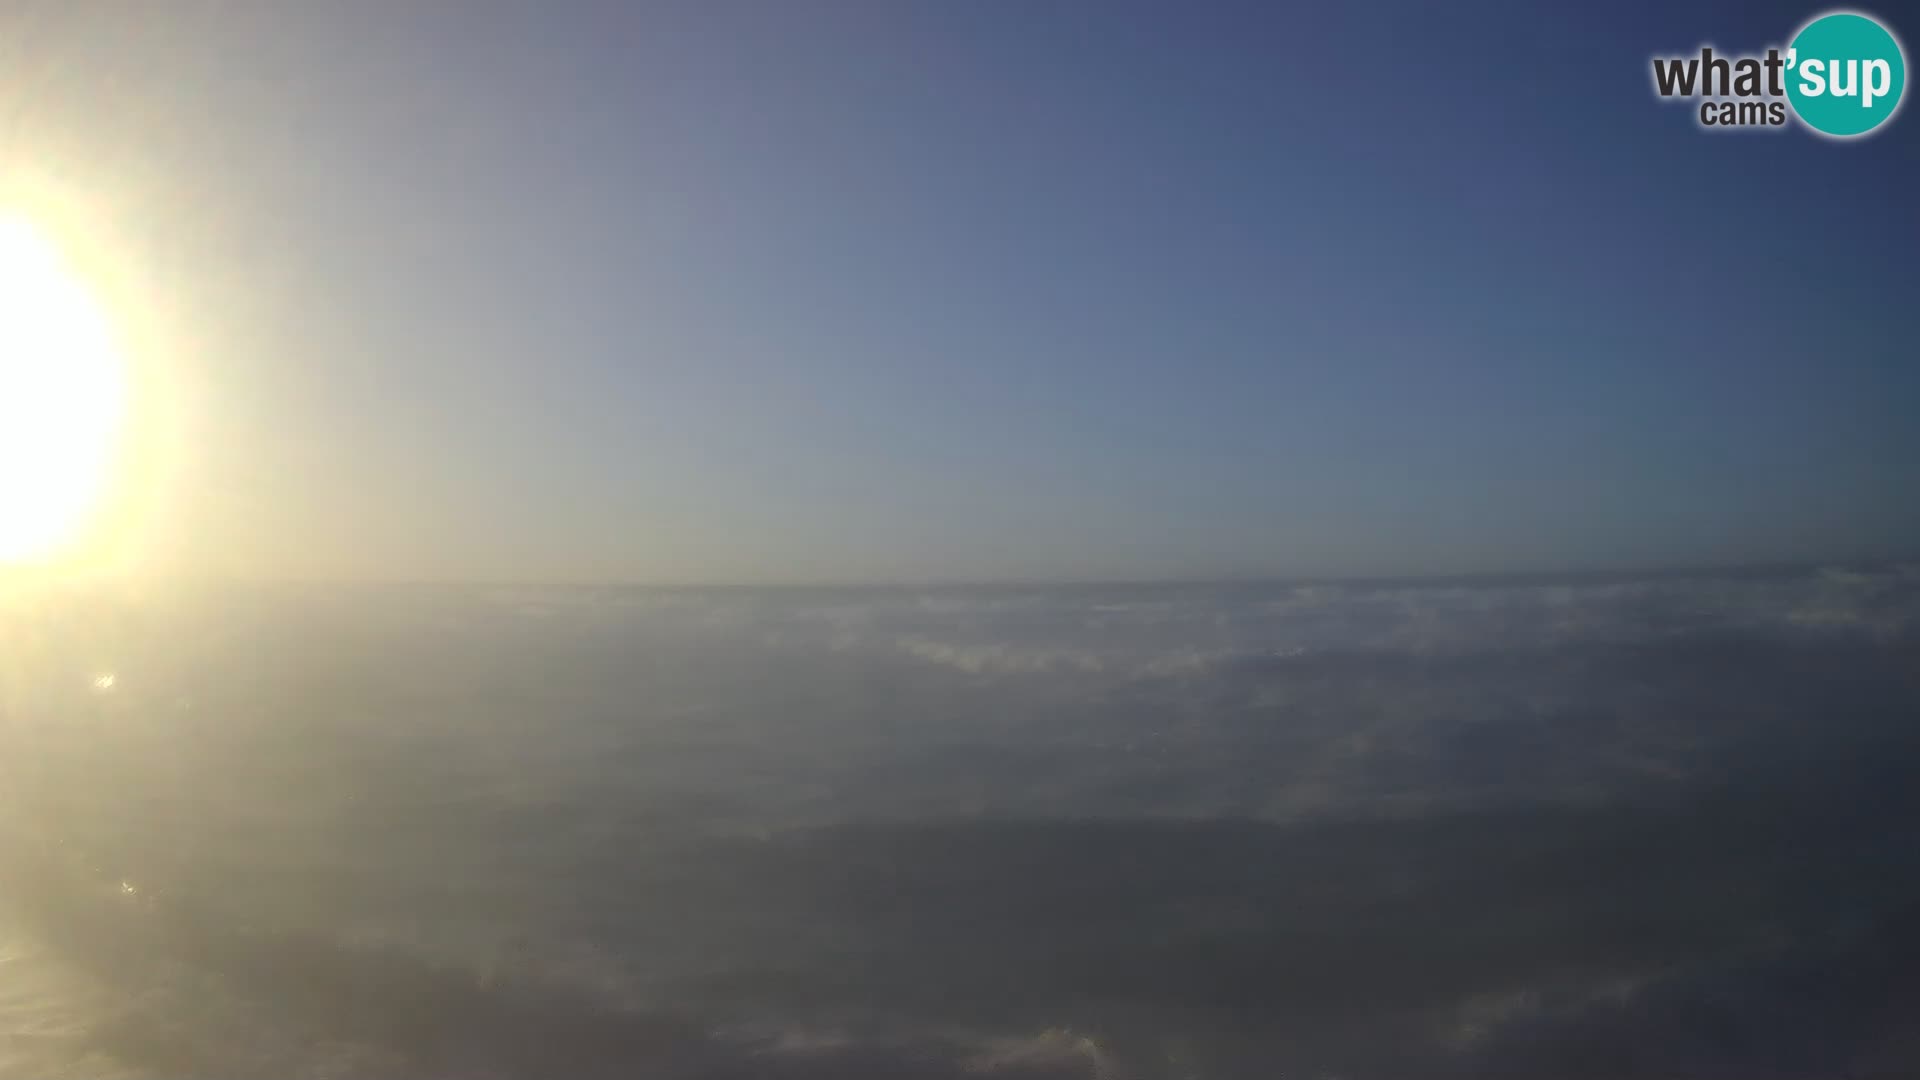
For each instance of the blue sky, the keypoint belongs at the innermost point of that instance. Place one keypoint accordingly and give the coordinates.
(962, 291)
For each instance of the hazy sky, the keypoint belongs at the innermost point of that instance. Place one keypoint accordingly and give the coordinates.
(985, 289)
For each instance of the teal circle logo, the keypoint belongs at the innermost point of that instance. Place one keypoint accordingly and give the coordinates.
(1845, 74)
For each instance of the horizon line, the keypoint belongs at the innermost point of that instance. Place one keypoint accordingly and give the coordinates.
(1586, 575)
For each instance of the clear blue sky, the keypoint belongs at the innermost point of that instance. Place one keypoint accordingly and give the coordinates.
(813, 290)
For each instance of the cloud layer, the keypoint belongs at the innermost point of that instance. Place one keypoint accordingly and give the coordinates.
(1603, 828)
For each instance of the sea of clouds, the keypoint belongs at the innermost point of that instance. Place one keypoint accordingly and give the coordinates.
(1607, 827)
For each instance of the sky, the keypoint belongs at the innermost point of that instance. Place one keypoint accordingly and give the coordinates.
(940, 291)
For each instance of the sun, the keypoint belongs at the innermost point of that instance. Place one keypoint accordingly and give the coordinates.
(62, 396)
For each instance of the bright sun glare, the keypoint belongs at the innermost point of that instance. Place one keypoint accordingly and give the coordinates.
(62, 393)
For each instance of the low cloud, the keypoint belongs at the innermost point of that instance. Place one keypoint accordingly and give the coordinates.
(1610, 829)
